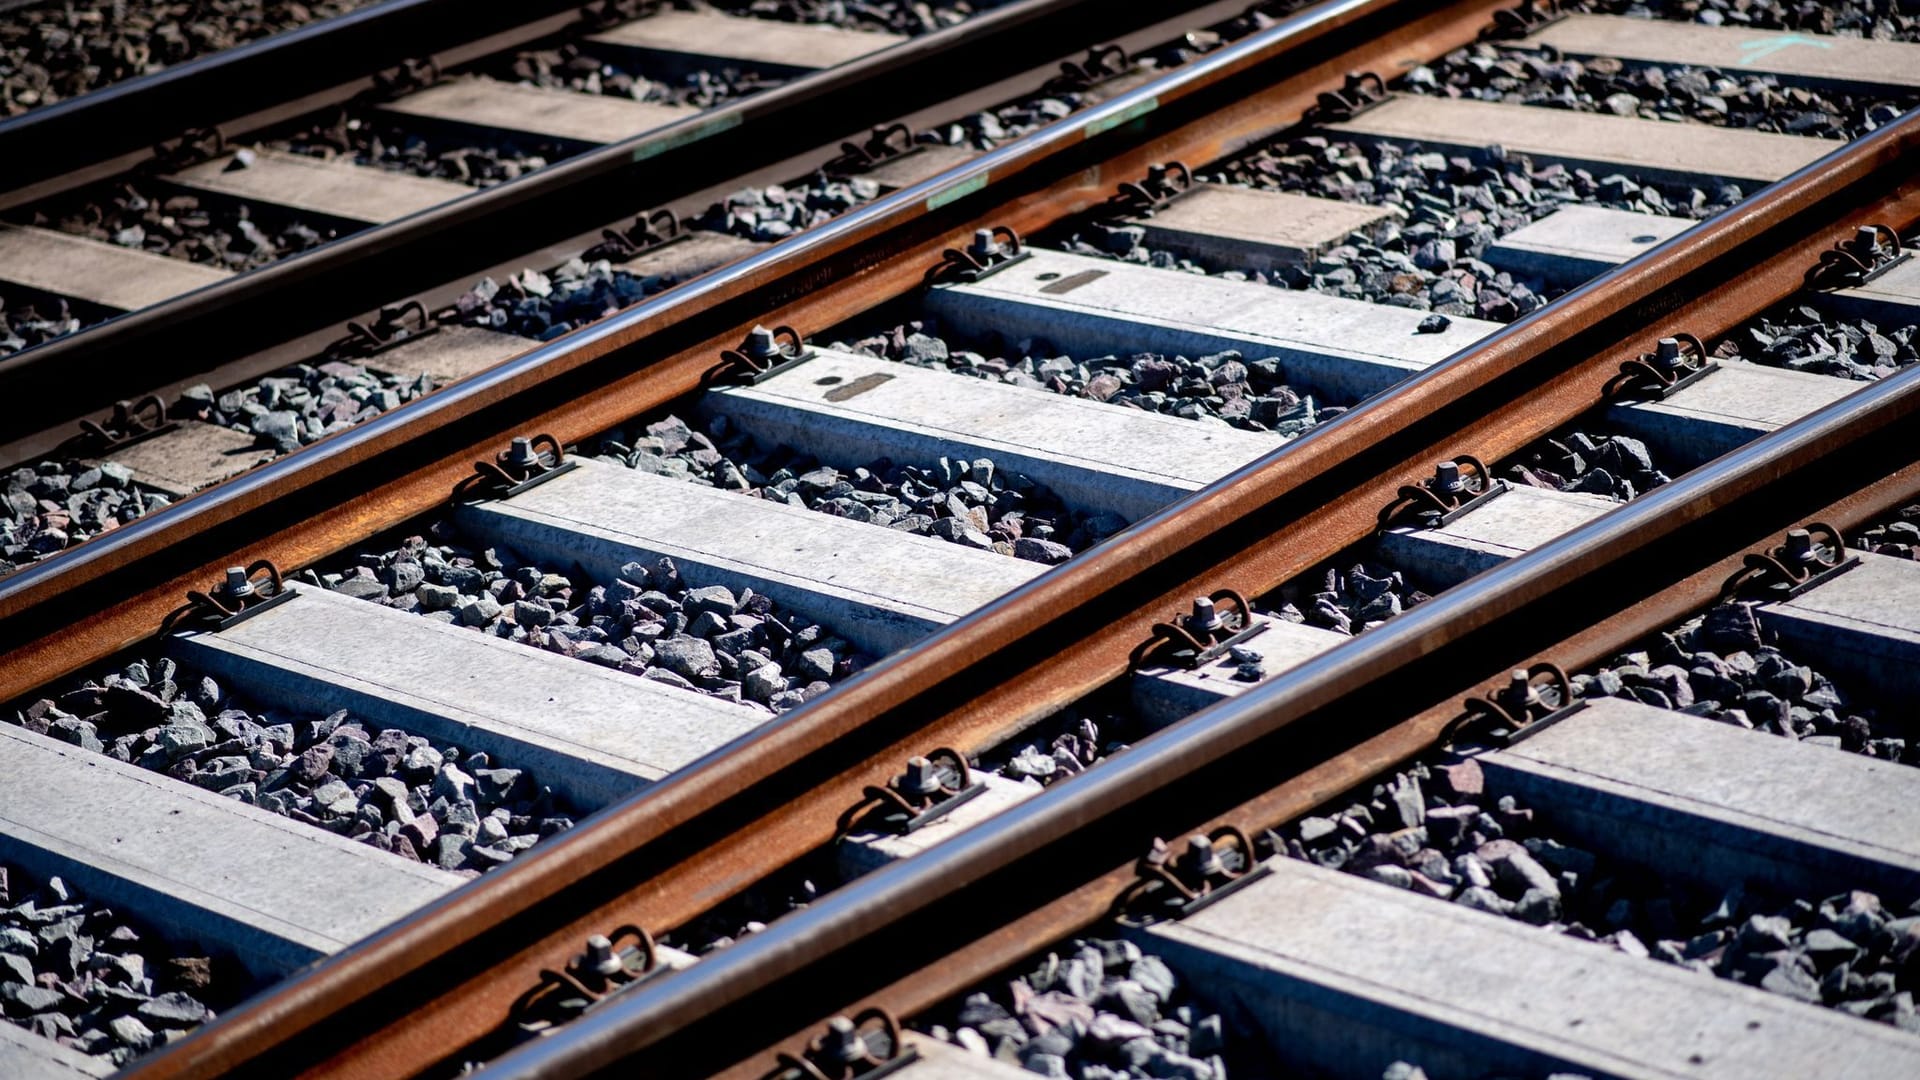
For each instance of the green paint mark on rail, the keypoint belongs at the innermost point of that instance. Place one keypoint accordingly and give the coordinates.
(957, 192)
(693, 133)
(1124, 116)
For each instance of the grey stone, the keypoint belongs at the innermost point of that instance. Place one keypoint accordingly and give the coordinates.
(763, 682)
(688, 657)
(1154, 976)
(173, 1010)
(815, 664)
(437, 597)
(362, 588)
(480, 612)
(130, 1032)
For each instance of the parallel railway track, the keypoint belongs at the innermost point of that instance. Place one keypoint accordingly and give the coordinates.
(1223, 514)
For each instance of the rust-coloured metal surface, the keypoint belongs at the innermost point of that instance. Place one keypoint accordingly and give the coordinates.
(885, 255)
(1696, 555)
(1750, 250)
(648, 859)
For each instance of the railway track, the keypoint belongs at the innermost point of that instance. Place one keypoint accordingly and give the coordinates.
(299, 182)
(746, 697)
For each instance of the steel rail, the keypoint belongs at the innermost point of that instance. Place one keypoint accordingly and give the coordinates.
(1263, 526)
(339, 54)
(340, 279)
(386, 1006)
(879, 251)
(905, 918)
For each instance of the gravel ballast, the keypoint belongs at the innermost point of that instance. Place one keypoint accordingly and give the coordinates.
(74, 971)
(230, 235)
(543, 306)
(648, 622)
(57, 502)
(972, 503)
(53, 51)
(424, 800)
(1798, 336)
(1432, 830)
(1722, 665)
(1097, 1009)
(27, 320)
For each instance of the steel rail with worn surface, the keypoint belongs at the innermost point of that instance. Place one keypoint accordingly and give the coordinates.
(1056, 865)
(83, 371)
(1252, 531)
(404, 999)
(248, 85)
(888, 243)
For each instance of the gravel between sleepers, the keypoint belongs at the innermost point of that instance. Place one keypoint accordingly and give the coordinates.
(1431, 829)
(648, 622)
(27, 319)
(77, 972)
(213, 232)
(1722, 665)
(50, 505)
(1097, 1009)
(422, 799)
(1798, 336)
(58, 50)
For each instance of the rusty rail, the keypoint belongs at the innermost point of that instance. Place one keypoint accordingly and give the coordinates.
(918, 931)
(322, 500)
(394, 1004)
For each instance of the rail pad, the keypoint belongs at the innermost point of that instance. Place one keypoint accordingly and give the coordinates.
(1797, 56)
(1575, 243)
(1863, 624)
(122, 278)
(1726, 409)
(677, 42)
(337, 189)
(1242, 228)
(557, 114)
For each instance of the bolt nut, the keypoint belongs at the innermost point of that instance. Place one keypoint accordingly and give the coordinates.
(1206, 618)
(1203, 859)
(983, 247)
(1446, 478)
(238, 585)
(760, 343)
(844, 1042)
(521, 454)
(1799, 546)
(1519, 694)
(921, 778)
(601, 957)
